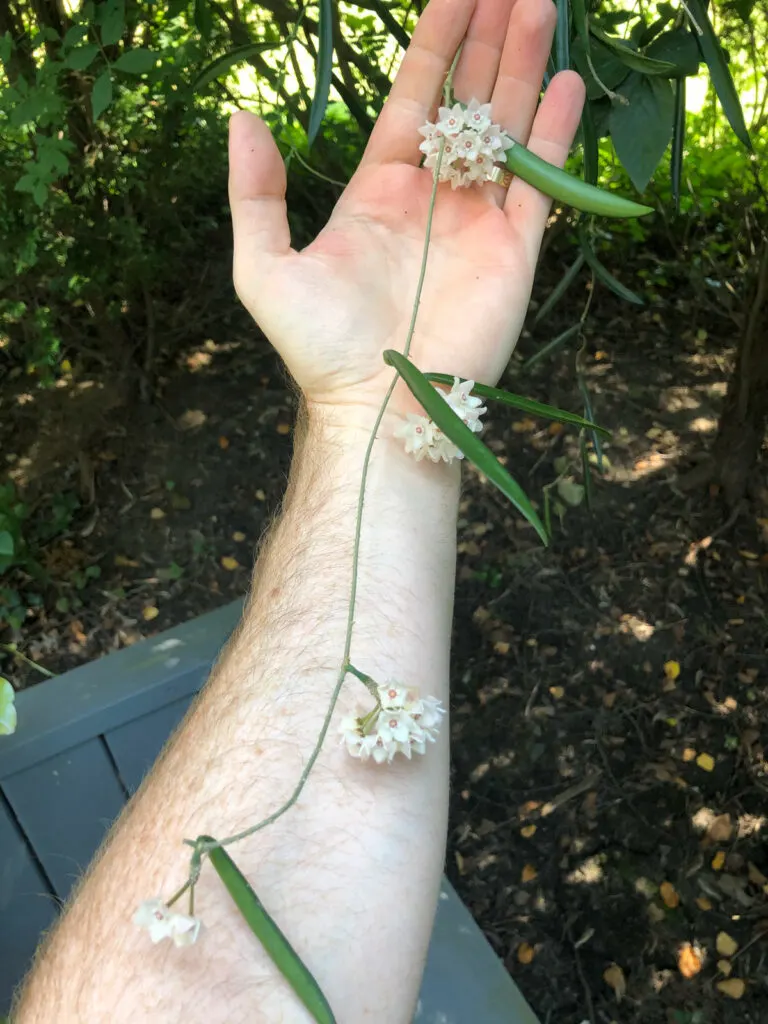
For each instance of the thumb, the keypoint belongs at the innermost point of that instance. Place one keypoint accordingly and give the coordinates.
(257, 186)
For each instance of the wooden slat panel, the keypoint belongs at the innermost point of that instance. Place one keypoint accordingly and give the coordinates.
(136, 745)
(27, 907)
(91, 700)
(464, 981)
(65, 805)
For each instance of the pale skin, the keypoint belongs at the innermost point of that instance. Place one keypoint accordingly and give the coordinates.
(351, 872)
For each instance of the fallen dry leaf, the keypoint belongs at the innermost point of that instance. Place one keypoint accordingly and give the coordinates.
(238, 536)
(150, 612)
(756, 876)
(703, 903)
(672, 669)
(156, 513)
(126, 563)
(669, 895)
(260, 495)
(527, 831)
(190, 419)
(720, 829)
(718, 861)
(725, 967)
(529, 873)
(613, 976)
(734, 988)
(688, 754)
(229, 563)
(525, 953)
(283, 428)
(706, 762)
(557, 692)
(725, 944)
(689, 960)
(223, 443)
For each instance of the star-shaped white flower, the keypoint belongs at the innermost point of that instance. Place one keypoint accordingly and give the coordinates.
(478, 116)
(450, 120)
(405, 724)
(163, 923)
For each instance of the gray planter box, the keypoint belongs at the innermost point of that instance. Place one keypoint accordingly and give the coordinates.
(84, 742)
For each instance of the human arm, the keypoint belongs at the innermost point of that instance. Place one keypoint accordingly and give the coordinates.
(350, 872)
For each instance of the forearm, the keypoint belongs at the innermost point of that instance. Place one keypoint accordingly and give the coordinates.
(363, 842)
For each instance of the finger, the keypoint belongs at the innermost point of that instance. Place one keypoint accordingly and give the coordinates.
(551, 137)
(256, 197)
(416, 90)
(523, 62)
(481, 53)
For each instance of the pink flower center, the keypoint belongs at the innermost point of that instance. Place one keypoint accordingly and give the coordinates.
(393, 693)
(158, 915)
(419, 430)
(393, 723)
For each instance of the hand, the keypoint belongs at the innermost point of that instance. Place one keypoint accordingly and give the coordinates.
(333, 308)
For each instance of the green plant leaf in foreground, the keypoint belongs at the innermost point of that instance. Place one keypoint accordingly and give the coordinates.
(272, 939)
(547, 412)
(217, 67)
(712, 52)
(642, 127)
(557, 183)
(634, 60)
(603, 274)
(323, 70)
(560, 289)
(466, 441)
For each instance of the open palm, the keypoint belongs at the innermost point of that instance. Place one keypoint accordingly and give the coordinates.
(332, 309)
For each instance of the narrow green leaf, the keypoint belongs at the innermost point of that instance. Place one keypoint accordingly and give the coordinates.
(563, 36)
(557, 183)
(79, 58)
(323, 70)
(547, 412)
(634, 60)
(272, 939)
(552, 346)
(6, 544)
(641, 129)
(586, 471)
(712, 52)
(678, 142)
(603, 274)
(588, 413)
(579, 11)
(217, 67)
(203, 16)
(136, 62)
(6, 47)
(101, 94)
(464, 439)
(559, 290)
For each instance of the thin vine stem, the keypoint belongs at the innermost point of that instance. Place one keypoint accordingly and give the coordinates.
(202, 846)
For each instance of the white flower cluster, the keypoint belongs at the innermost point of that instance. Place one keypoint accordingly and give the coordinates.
(472, 143)
(163, 923)
(401, 723)
(422, 436)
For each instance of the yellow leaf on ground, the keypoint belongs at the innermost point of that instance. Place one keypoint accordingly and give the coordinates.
(706, 762)
(756, 876)
(229, 563)
(260, 495)
(525, 952)
(726, 945)
(238, 536)
(734, 988)
(725, 967)
(703, 903)
(529, 873)
(126, 563)
(223, 443)
(557, 692)
(718, 860)
(689, 960)
(283, 428)
(524, 426)
(613, 976)
(688, 754)
(191, 419)
(156, 513)
(669, 895)
(527, 831)
(672, 669)
(150, 612)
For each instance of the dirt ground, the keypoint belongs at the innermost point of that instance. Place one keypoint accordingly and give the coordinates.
(609, 785)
